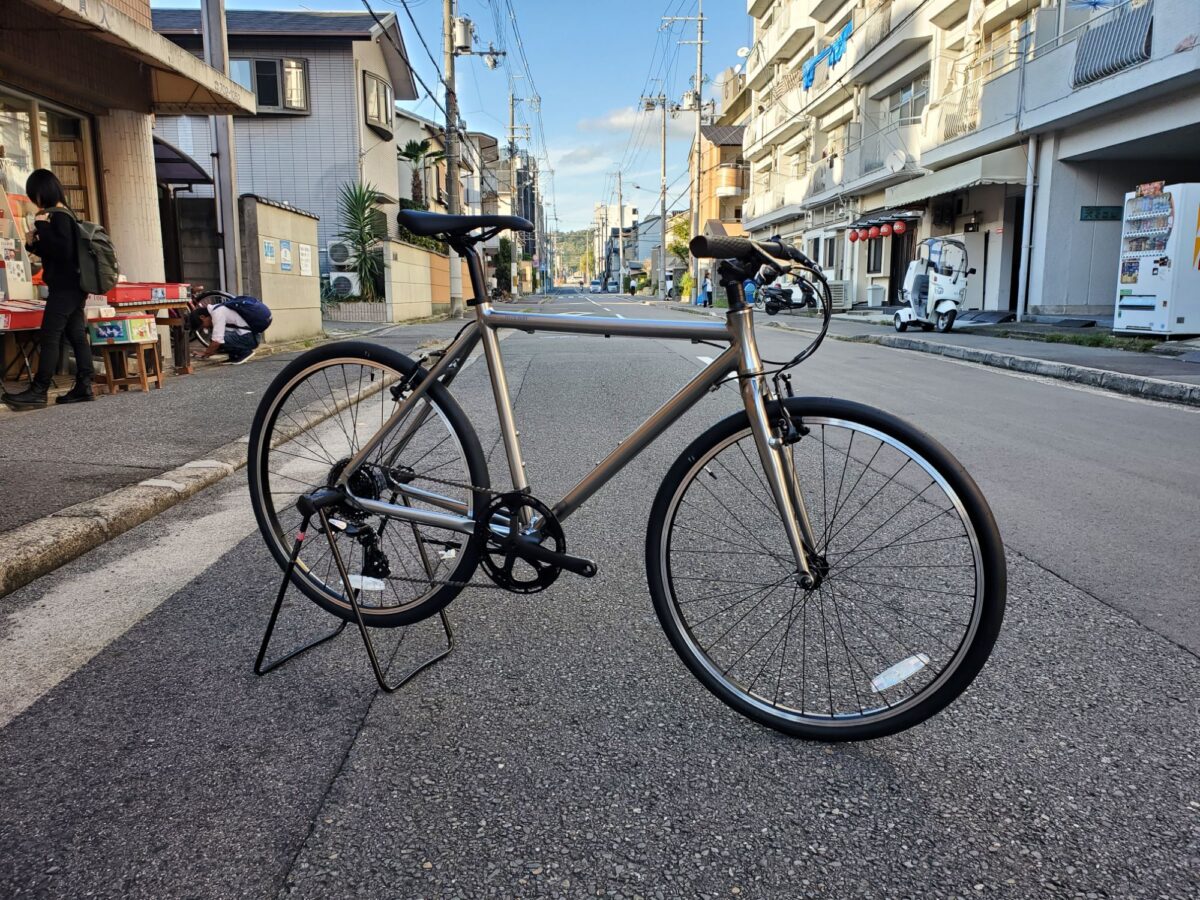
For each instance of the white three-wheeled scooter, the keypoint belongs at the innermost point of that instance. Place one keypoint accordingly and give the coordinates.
(935, 285)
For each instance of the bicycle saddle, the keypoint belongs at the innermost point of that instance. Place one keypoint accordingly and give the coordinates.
(427, 224)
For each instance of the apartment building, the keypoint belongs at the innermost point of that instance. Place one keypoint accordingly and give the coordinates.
(1014, 125)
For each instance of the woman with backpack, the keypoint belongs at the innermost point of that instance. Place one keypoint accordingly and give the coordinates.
(55, 240)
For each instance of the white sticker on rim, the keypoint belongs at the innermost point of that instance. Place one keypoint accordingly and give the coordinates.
(901, 671)
(366, 583)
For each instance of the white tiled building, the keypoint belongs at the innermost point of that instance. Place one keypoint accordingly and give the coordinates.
(937, 111)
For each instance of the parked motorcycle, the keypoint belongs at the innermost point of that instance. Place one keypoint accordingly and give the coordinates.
(778, 297)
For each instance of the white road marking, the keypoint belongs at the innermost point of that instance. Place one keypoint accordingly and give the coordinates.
(707, 360)
(619, 316)
(79, 616)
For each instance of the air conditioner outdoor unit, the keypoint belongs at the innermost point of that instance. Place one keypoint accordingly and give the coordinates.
(341, 254)
(345, 284)
(839, 297)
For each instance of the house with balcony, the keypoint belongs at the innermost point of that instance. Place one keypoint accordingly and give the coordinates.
(326, 86)
(722, 179)
(1000, 122)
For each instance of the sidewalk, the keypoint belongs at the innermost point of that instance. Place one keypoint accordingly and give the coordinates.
(1174, 379)
(97, 469)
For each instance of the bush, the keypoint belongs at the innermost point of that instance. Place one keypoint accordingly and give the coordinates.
(408, 237)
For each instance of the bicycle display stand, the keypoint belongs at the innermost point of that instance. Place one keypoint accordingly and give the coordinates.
(261, 667)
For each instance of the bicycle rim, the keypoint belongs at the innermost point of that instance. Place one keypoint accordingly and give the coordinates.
(901, 598)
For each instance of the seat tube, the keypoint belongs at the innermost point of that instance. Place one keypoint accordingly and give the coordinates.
(772, 452)
(504, 410)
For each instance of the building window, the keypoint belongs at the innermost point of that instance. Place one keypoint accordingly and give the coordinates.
(875, 256)
(814, 250)
(278, 85)
(830, 252)
(378, 103)
(905, 106)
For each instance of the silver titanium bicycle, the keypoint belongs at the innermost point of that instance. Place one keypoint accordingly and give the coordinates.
(822, 567)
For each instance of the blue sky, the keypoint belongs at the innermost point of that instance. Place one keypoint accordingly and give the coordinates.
(590, 62)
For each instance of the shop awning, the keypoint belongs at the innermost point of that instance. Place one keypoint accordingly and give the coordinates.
(1001, 167)
(181, 84)
(173, 166)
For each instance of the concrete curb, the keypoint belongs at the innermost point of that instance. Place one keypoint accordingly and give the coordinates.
(1119, 382)
(37, 548)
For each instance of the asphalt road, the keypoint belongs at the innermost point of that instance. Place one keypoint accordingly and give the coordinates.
(563, 750)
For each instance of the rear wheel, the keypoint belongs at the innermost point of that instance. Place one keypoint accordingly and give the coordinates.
(911, 575)
(315, 416)
(945, 321)
(772, 307)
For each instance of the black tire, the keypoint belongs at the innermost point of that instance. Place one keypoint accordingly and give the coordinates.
(925, 326)
(899, 323)
(772, 307)
(278, 536)
(680, 621)
(944, 323)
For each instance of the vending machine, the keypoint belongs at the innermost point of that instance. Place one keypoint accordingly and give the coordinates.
(1158, 283)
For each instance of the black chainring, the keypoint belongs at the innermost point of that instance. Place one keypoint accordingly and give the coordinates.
(500, 555)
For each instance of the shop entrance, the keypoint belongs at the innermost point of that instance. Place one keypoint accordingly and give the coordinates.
(189, 224)
(902, 255)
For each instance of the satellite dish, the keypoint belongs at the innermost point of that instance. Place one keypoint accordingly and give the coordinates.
(743, 52)
(737, 69)
(896, 161)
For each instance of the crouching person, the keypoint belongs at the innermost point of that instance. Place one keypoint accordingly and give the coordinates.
(237, 327)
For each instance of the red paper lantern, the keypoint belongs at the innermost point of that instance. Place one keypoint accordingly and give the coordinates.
(863, 234)
(874, 232)
(886, 230)
(853, 235)
(899, 227)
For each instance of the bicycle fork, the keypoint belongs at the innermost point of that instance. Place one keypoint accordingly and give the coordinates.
(776, 458)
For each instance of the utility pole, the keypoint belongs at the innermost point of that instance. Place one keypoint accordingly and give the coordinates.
(649, 103)
(620, 236)
(452, 186)
(514, 193)
(216, 54)
(698, 101)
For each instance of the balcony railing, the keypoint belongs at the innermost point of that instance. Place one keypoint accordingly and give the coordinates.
(1115, 40)
(731, 180)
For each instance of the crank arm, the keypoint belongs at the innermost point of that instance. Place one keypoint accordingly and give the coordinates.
(529, 549)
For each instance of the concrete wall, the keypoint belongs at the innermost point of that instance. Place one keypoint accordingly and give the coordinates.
(294, 298)
(417, 281)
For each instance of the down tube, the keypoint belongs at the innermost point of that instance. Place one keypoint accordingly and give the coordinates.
(689, 395)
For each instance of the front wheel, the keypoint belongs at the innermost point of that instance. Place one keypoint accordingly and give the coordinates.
(910, 567)
(899, 323)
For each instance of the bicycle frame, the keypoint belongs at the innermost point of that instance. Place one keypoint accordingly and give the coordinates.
(741, 357)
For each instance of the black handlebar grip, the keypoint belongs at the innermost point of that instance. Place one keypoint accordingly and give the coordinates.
(718, 247)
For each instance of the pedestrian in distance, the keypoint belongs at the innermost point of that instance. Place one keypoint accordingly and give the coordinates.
(707, 290)
(55, 241)
(231, 333)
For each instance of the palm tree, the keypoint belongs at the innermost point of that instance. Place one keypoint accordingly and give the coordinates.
(419, 153)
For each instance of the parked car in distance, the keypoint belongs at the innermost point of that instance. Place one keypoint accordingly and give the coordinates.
(614, 288)
(595, 288)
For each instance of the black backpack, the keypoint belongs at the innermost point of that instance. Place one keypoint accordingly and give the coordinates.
(256, 313)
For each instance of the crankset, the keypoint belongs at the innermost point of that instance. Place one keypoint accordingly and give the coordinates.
(540, 547)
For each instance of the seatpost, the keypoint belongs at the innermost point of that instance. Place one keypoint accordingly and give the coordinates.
(465, 247)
